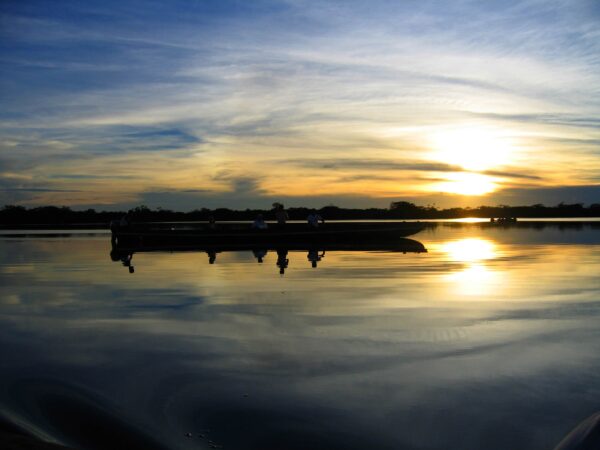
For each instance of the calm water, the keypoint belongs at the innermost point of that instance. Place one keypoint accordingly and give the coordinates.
(490, 340)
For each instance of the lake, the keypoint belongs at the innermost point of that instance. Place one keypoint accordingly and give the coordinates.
(490, 339)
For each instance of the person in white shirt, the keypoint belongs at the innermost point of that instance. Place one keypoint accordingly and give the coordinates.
(313, 219)
(259, 223)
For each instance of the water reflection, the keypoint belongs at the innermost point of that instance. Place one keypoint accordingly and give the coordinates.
(373, 349)
(470, 249)
(476, 277)
(260, 255)
(475, 280)
(314, 255)
(125, 257)
(212, 256)
(282, 260)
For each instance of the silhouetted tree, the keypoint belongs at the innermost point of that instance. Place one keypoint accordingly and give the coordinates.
(11, 215)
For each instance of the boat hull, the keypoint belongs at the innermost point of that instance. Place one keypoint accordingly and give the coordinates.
(242, 236)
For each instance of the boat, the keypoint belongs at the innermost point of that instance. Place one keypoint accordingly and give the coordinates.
(243, 236)
(126, 246)
(503, 220)
(401, 245)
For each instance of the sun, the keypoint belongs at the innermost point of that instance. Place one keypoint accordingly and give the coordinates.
(472, 147)
(473, 151)
(466, 183)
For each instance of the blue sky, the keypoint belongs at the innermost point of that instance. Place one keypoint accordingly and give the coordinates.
(237, 104)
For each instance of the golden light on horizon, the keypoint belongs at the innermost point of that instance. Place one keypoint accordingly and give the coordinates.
(466, 183)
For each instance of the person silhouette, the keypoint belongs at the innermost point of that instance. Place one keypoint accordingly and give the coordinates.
(282, 260)
(314, 257)
(281, 215)
(314, 218)
(259, 255)
(259, 223)
(212, 256)
(212, 224)
(126, 261)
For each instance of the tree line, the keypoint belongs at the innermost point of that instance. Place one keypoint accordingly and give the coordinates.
(54, 215)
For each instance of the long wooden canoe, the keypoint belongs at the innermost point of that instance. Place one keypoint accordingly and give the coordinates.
(239, 234)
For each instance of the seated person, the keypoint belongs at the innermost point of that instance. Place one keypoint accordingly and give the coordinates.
(313, 219)
(212, 223)
(259, 223)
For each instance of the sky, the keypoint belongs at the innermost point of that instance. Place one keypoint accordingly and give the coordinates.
(191, 104)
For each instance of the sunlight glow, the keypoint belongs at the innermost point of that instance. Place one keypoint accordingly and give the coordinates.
(466, 184)
(470, 220)
(472, 148)
(476, 278)
(470, 250)
(307, 103)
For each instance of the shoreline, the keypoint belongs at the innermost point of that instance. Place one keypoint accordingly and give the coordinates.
(463, 220)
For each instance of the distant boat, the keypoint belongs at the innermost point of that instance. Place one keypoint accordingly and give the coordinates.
(241, 235)
(503, 220)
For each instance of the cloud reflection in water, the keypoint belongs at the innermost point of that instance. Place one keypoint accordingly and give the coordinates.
(364, 351)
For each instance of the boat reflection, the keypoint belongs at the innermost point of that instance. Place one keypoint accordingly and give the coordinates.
(124, 257)
(314, 254)
(259, 255)
(282, 260)
(212, 256)
(314, 257)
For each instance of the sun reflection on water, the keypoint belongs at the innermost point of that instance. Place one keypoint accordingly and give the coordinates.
(477, 278)
(471, 249)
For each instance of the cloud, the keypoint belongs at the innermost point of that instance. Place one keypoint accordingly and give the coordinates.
(370, 164)
(499, 173)
(123, 90)
(391, 165)
(570, 120)
(7, 189)
(550, 195)
(186, 201)
(88, 177)
(138, 139)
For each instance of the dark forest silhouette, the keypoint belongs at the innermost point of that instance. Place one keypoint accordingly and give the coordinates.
(12, 215)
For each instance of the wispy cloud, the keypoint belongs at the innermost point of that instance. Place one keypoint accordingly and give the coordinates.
(370, 164)
(141, 91)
